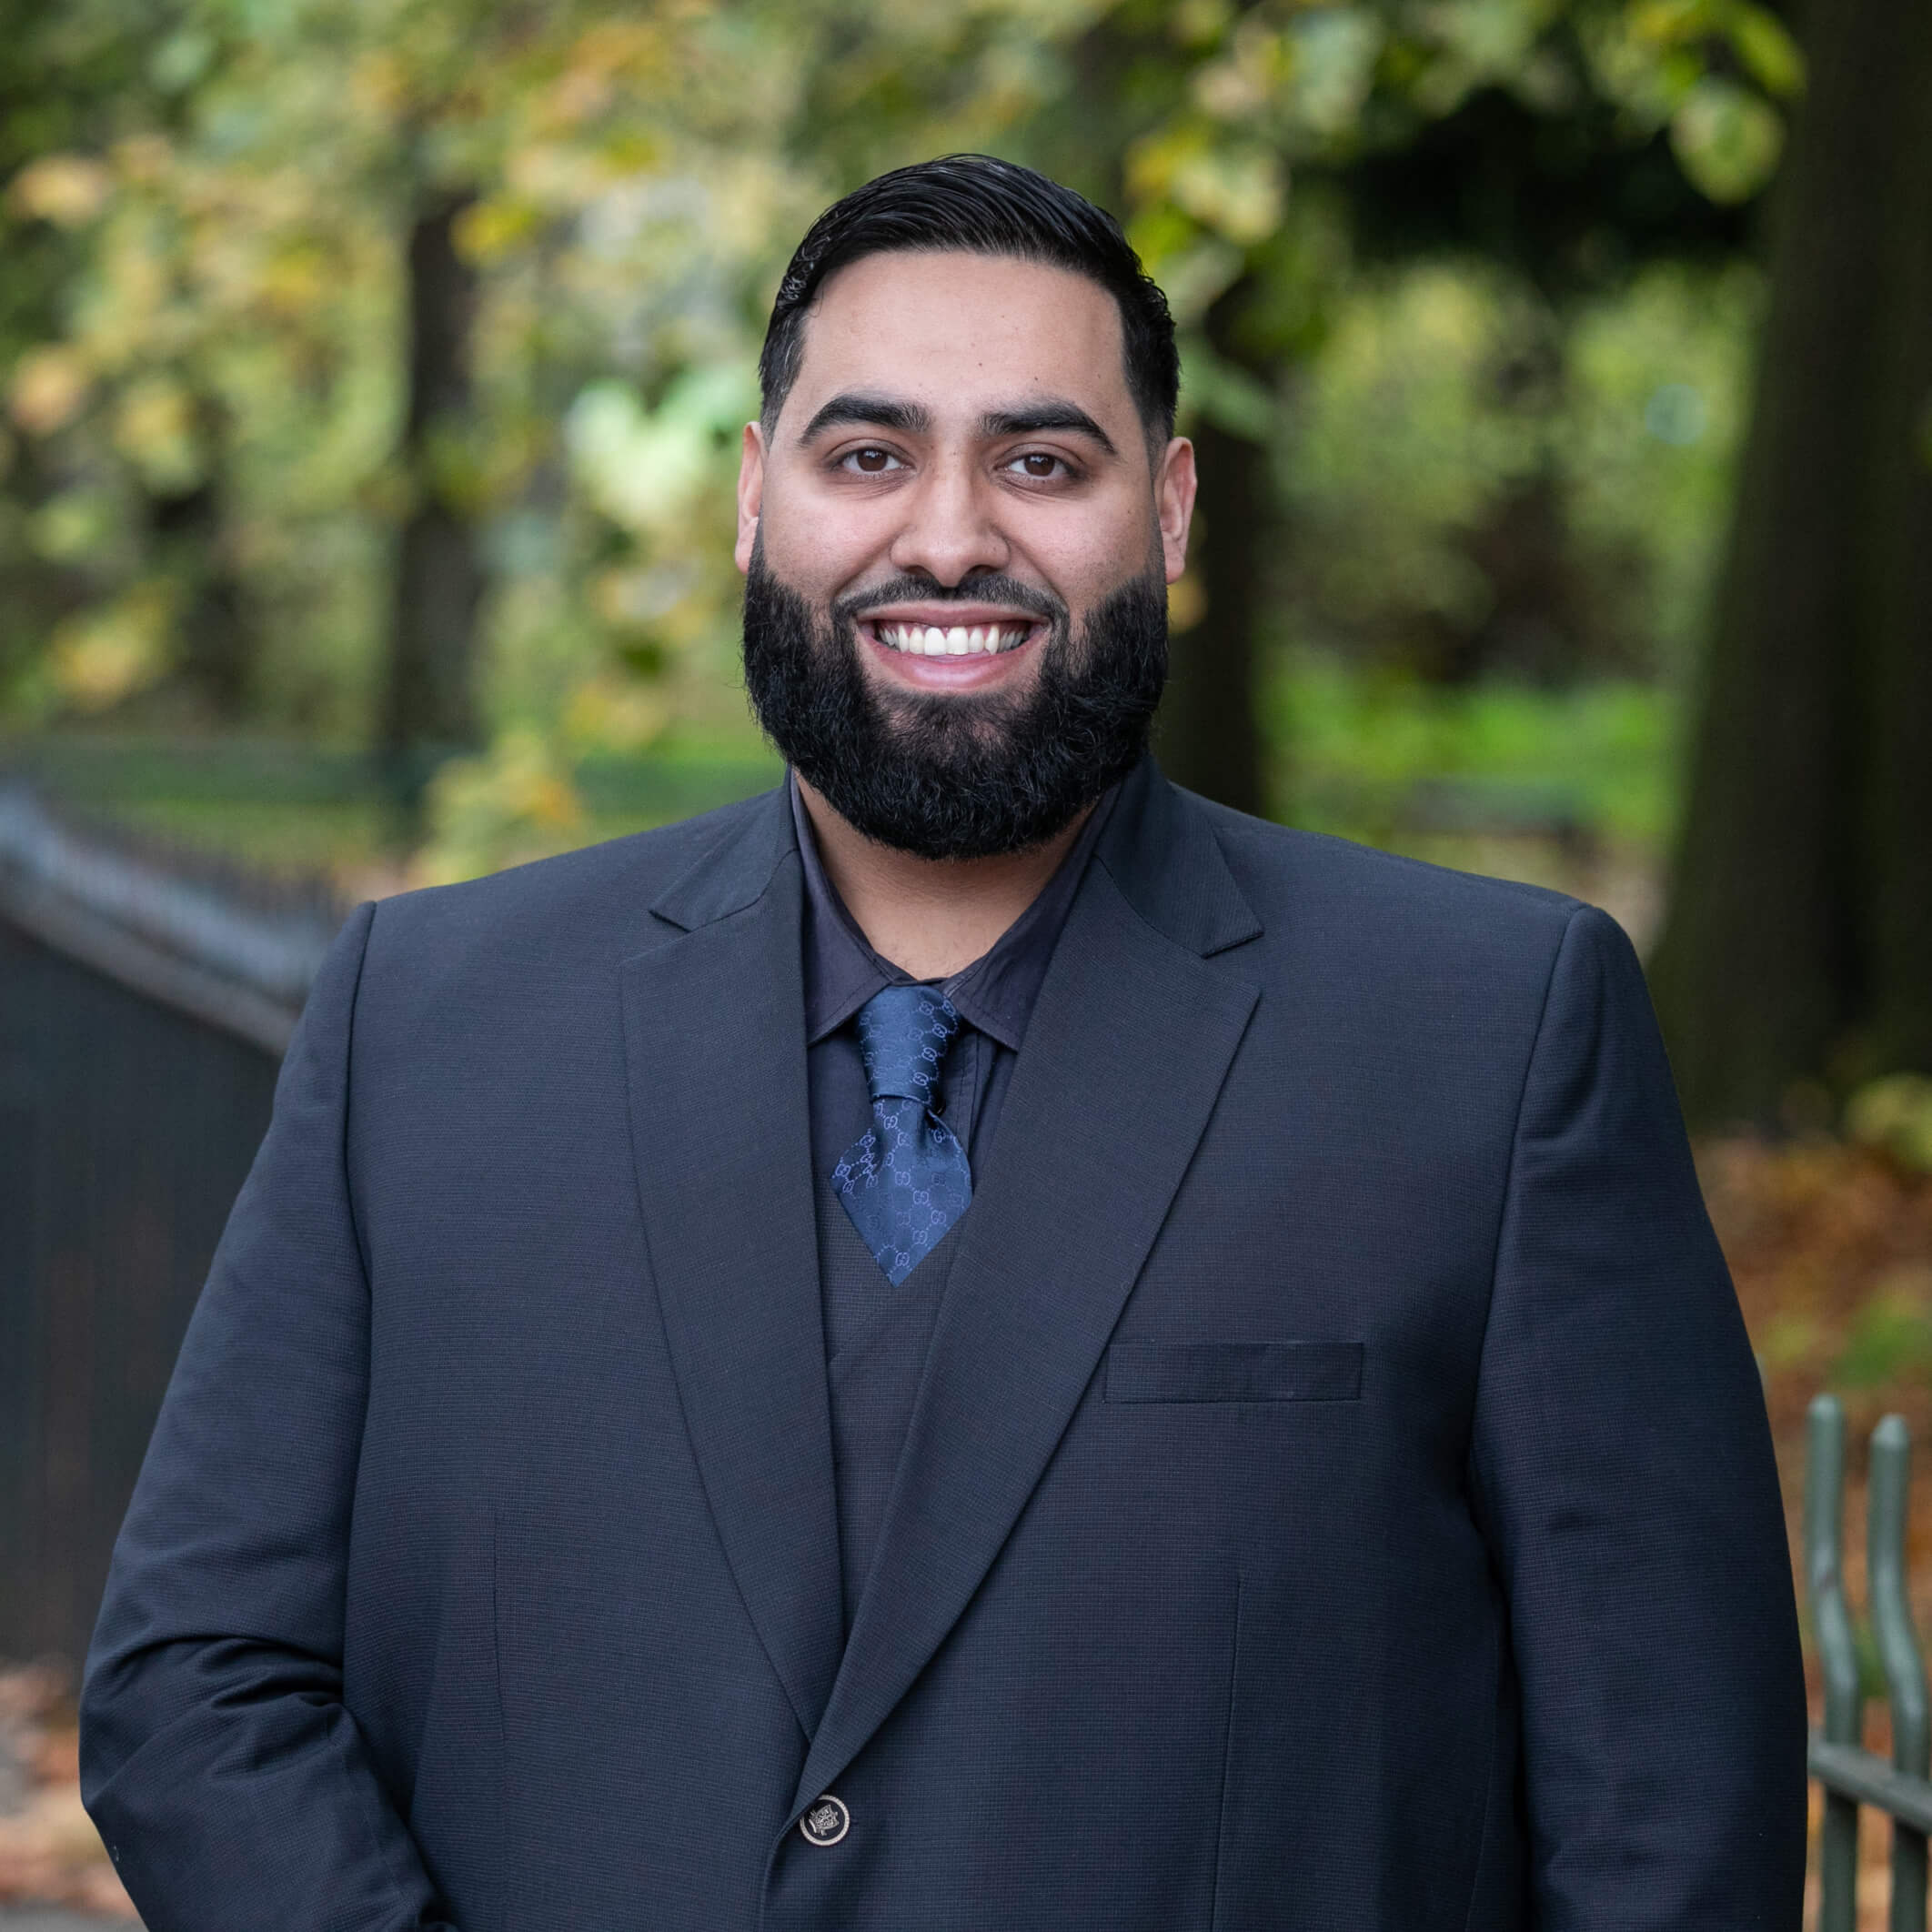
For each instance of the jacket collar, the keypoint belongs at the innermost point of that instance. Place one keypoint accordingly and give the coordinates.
(736, 870)
(1157, 844)
(1159, 848)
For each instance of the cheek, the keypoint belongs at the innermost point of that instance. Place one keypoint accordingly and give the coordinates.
(1086, 561)
(817, 546)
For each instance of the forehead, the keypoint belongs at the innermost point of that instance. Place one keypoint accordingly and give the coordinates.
(959, 332)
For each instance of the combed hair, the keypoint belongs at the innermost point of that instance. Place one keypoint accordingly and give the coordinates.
(986, 206)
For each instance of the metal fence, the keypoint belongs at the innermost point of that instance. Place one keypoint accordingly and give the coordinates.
(144, 1002)
(1852, 1775)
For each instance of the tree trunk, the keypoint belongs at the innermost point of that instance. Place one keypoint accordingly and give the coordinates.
(217, 653)
(1898, 875)
(1209, 738)
(36, 593)
(430, 708)
(1800, 847)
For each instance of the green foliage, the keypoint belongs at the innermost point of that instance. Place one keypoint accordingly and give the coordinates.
(1895, 1114)
(1259, 92)
(1448, 401)
(516, 803)
(205, 206)
(1890, 1338)
(1377, 753)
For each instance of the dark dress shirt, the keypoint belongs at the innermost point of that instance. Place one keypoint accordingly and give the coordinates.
(877, 1335)
(993, 997)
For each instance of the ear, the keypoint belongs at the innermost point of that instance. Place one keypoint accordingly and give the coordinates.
(751, 492)
(1174, 485)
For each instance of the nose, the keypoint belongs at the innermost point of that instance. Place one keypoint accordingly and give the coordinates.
(951, 527)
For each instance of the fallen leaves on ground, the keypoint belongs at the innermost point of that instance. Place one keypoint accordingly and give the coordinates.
(1830, 1245)
(49, 1849)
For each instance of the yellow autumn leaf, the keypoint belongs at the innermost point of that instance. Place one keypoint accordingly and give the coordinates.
(612, 712)
(48, 388)
(154, 426)
(69, 190)
(103, 656)
(491, 229)
(1238, 191)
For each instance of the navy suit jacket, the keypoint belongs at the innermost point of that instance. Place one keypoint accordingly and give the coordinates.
(1338, 1497)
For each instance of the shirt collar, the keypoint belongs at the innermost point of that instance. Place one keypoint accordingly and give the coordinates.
(995, 994)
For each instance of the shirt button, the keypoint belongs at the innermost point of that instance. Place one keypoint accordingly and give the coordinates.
(826, 1822)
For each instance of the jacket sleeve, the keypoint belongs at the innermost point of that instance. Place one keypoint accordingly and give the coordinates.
(230, 1785)
(1622, 1465)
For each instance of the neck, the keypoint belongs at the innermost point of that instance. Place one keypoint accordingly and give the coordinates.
(930, 917)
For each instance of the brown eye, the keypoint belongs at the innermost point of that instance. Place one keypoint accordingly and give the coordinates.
(870, 462)
(1039, 464)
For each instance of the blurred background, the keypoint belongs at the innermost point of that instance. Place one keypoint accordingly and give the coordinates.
(372, 376)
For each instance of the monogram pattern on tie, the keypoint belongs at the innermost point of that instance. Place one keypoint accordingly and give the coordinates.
(906, 1181)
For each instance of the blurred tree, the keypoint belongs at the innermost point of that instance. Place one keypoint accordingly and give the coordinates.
(1210, 736)
(430, 704)
(1568, 141)
(1573, 190)
(110, 415)
(216, 638)
(1799, 940)
(67, 75)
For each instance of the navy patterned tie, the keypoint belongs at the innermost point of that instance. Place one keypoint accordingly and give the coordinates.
(907, 1180)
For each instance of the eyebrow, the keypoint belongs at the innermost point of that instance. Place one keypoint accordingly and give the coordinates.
(911, 418)
(881, 412)
(1053, 414)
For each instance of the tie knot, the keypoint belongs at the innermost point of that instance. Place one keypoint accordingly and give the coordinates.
(903, 1035)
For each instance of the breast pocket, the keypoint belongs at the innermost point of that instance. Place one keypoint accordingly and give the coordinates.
(1234, 1372)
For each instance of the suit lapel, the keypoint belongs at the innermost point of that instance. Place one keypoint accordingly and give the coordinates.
(714, 1031)
(1125, 1056)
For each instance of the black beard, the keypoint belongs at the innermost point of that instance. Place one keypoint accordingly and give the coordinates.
(956, 776)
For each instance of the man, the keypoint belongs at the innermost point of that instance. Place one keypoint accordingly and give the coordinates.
(975, 1342)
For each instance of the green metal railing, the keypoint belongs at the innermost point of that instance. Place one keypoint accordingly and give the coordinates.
(1851, 1775)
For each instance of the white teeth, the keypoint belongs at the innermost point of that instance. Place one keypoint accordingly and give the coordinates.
(928, 641)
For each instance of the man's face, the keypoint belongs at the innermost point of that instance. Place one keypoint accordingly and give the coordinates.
(957, 541)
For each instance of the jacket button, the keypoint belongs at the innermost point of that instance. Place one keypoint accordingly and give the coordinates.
(826, 1822)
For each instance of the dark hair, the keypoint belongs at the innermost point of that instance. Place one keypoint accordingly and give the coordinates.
(986, 206)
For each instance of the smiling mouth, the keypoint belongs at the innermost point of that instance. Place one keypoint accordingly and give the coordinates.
(956, 640)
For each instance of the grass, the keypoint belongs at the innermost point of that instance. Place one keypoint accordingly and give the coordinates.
(303, 809)
(1550, 786)
(1381, 756)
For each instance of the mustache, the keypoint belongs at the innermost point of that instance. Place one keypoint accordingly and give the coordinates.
(987, 588)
